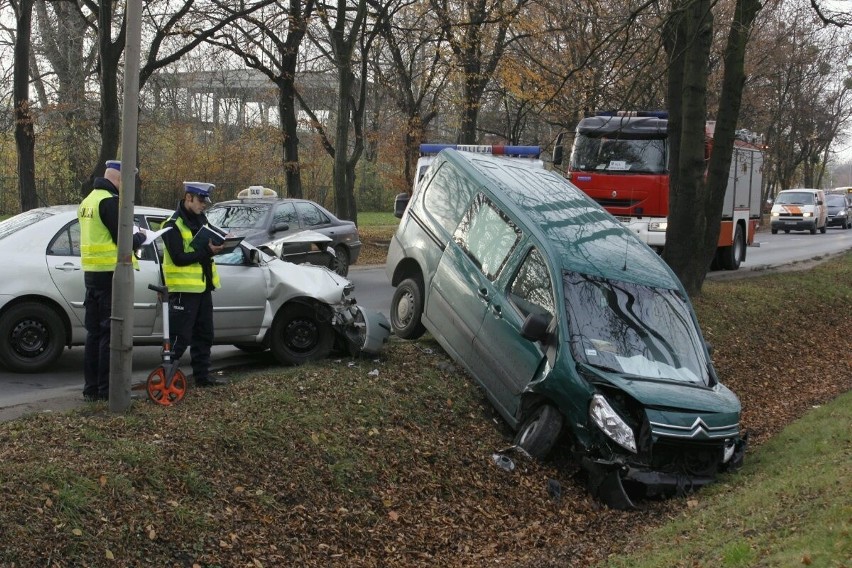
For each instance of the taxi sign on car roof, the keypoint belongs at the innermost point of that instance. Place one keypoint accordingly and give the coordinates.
(256, 191)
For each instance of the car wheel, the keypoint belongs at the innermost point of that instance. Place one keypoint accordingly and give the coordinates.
(774, 231)
(407, 309)
(731, 257)
(251, 347)
(32, 337)
(540, 431)
(786, 231)
(341, 263)
(814, 229)
(301, 333)
(823, 228)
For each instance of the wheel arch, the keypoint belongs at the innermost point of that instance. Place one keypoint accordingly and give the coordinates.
(407, 268)
(48, 302)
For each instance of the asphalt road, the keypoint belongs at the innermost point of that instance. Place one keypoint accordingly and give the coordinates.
(61, 388)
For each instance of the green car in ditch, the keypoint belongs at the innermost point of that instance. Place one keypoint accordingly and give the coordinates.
(573, 327)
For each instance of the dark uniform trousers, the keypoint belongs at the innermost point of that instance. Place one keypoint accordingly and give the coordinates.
(98, 304)
(191, 324)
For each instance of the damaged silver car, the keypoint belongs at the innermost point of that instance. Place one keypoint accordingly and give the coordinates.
(300, 312)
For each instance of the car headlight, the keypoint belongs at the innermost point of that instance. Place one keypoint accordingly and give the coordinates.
(807, 214)
(611, 423)
(658, 226)
(775, 213)
(841, 214)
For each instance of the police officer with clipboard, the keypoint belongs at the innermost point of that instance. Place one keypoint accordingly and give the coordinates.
(191, 277)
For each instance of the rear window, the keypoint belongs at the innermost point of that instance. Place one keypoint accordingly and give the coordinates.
(14, 224)
(242, 216)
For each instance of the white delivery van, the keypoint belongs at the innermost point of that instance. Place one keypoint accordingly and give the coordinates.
(799, 210)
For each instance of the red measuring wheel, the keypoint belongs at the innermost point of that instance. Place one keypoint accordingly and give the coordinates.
(166, 392)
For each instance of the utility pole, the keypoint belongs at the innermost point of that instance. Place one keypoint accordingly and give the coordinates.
(121, 330)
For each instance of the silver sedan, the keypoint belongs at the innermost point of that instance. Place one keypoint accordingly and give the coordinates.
(300, 312)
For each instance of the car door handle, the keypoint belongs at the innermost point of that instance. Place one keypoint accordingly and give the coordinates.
(497, 310)
(67, 267)
(483, 293)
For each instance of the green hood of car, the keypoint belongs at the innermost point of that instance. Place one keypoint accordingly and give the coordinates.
(677, 395)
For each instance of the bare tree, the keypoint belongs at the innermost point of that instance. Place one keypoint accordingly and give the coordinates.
(695, 203)
(477, 32)
(344, 34)
(270, 43)
(62, 28)
(409, 64)
(24, 130)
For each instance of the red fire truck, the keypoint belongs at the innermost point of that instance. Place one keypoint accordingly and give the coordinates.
(620, 160)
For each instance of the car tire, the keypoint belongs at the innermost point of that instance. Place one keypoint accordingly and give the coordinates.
(301, 333)
(730, 257)
(33, 337)
(539, 432)
(786, 231)
(824, 228)
(407, 309)
(813, 229)
(774, 231)
(341, 262)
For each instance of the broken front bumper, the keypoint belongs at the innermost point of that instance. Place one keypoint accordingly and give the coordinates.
(621, 483)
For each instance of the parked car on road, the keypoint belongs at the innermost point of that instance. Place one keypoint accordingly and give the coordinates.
(262, 217)
(300, 312)
(839, 209)
(569, 322)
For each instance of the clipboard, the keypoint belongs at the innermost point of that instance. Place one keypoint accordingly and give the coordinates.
(206, 235)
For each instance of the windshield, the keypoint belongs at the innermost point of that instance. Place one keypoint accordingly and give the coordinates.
(633, 329)
(18, 222)
(795, 198)
(613, 155)
(239, 216)
(835, 200)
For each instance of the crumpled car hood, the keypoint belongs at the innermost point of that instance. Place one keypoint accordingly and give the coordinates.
(674, 395)
(291, 280)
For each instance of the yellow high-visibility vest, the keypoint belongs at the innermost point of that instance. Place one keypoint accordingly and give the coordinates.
(98, 252)
(189, 278)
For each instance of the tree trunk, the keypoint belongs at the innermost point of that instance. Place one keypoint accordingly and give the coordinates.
(730, 101)
(688, 194)
(24, 131)
(290, 135)
(110, 119)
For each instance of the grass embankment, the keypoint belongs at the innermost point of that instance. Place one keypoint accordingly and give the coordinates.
(791, 505)
(387, 462)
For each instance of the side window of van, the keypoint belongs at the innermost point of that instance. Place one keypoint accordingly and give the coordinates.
(530, 290)
(447, 195)
(487, 235)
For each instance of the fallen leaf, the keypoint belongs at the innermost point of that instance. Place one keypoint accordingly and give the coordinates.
(77, 532)
(110, 555)
(393, 515)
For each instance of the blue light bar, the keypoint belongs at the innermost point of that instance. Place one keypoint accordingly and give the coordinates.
(495, 150)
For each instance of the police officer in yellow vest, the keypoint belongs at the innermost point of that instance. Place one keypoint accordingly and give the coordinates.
(191, 278)
(98, 217)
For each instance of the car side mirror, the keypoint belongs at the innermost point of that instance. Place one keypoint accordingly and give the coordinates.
(400, 204)
(709, 347)
(535, 327)
(254, 256)
(280, 227)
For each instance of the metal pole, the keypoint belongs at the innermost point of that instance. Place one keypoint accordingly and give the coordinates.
(121, 331)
